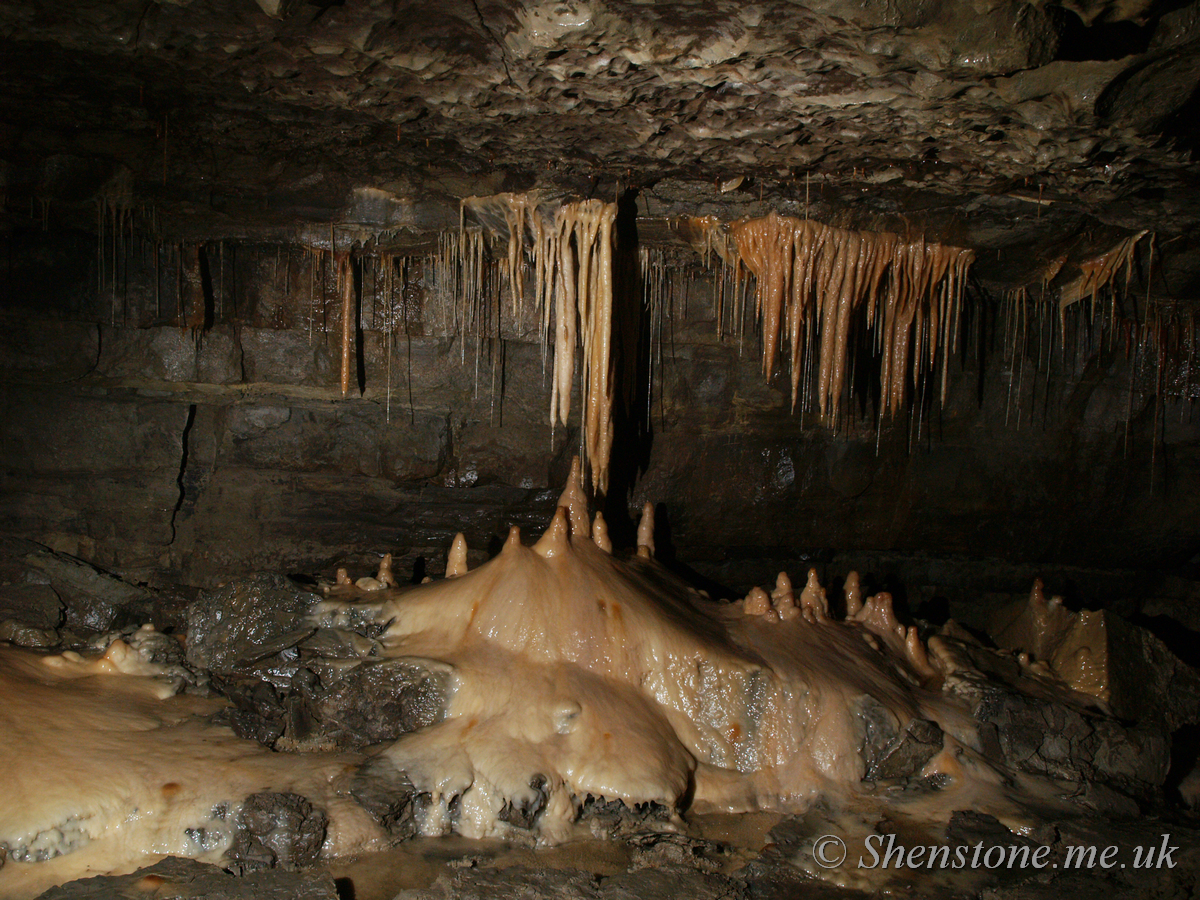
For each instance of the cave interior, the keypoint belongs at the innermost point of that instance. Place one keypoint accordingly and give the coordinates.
(267, 309)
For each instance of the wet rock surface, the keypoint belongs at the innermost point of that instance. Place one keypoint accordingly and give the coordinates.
(231, 629)
(302, 678)
(174, 877)
(277, 830)
(48, 589)
(906, 754)
(389, 796)
(367, 703)
(1044, 729)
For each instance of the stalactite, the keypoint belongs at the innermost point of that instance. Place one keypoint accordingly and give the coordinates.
(570, 246)
(814, 282)
(346, 281)
(1097, 273)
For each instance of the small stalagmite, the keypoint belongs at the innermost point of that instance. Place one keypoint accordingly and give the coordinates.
(385, 576)
(783, 599)
(600, 533)
(812, 599)
(456, 559)
(854, 599)
(645, 532)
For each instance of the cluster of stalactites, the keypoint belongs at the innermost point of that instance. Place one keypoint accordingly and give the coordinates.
(875, 614)
(811, 282)
(1099, 272)
(572, 258)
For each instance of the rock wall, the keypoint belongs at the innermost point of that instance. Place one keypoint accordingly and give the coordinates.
(188, 454)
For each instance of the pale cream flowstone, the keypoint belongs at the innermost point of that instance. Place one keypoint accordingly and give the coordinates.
(105, 770)
(572, 672)
(577, 673)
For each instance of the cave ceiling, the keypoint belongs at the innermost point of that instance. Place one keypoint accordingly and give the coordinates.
(1002, 126)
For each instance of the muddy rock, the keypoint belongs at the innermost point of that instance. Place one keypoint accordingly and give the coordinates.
(175, 877)
(277, 830)
(50, 589)
(389, 796)
(232, 628)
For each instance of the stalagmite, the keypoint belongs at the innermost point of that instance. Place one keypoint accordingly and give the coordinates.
(917, 657)
(555, 540)
(645, 532)
(853, 593)
(456, 559)
(385, 576)
(575, 501)
(783, 600)
(513, 540)
(600, 533)
(878, 614)
(812, 599)
(757, 602)
(342, 577)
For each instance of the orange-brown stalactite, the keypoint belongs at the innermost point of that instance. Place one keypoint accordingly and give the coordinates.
(346, 280)
(811, 282)
(1098, 272)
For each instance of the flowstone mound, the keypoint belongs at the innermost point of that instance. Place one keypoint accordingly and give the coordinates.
(558, 692)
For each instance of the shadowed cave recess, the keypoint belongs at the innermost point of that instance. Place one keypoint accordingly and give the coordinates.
(597, 448)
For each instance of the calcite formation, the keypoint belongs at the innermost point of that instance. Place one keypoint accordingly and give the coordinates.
(558, 690)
